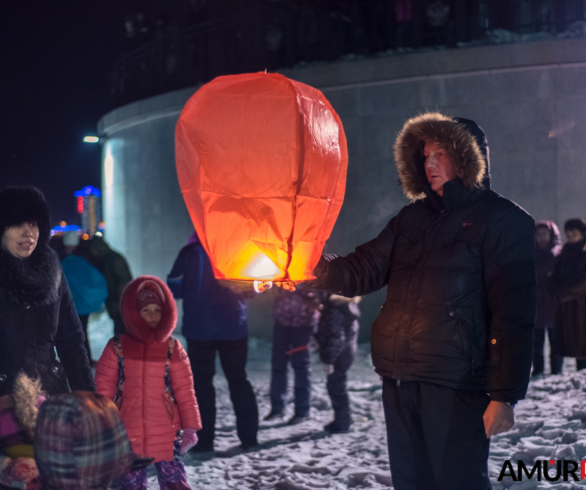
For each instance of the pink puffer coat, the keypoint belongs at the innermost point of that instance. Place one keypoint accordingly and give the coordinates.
(150, 417)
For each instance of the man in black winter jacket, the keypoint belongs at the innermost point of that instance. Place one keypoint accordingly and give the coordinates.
(453, 339)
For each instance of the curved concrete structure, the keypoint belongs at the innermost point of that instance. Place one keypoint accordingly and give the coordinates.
(529, 98)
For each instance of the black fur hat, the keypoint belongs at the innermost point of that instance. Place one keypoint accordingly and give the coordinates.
(21, 204)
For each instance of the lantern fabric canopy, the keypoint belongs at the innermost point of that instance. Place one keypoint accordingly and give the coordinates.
(261, 161)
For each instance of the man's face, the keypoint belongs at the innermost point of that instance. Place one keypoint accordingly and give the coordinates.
(439, 168)
(574, 236)
(542, 235)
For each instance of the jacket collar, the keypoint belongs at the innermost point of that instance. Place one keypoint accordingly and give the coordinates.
(455, 195)
(35, 280)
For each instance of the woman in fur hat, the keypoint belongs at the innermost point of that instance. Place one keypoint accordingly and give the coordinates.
(37, 314)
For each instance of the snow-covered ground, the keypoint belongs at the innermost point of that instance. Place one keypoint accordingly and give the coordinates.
(551, 424)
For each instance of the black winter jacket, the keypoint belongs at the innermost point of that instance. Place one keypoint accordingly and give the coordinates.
(459, 270)
(37, 315)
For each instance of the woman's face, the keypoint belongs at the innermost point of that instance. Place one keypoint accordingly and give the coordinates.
(574, 236)
(20, 241)
(543, 236)
(151, 314)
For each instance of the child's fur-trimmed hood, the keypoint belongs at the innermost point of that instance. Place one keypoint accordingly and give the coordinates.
(462, 139)
(27, 395)
(136, 326)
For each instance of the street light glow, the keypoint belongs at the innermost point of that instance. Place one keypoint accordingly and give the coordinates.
(91, 139)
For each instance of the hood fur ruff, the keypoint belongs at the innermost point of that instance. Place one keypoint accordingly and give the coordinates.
(136, 326)
(454, 137)
(26, 393)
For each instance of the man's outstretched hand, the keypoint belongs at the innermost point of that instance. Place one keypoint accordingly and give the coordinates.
(498, 417)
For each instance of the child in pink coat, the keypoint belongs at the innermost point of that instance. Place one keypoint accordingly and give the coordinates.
(147, 373)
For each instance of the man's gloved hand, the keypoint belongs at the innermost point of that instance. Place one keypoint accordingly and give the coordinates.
(189, 440)
(328, 368)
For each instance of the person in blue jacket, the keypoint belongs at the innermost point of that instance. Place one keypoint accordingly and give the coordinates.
(214, 320)
(88, 286)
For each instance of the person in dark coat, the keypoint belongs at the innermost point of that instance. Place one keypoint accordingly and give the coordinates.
(88, 286)
(568, 287)
(115, 269)
(296, 316)
(214, 320)
(337, 334)
(37, 314)
(453, 340)
(549, 245)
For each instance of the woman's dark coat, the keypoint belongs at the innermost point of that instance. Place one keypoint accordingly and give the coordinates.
(459, 271)
(568, 288)
(37, 315)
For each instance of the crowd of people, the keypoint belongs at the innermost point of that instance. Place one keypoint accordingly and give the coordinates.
(469, 274)
(50, 286)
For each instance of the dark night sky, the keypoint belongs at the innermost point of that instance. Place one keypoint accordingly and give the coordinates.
(55, 62)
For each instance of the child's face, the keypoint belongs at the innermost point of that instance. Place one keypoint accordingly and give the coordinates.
(574, 236)
(151, 314)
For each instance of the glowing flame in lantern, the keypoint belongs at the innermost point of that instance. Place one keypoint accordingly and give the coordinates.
(261, 267)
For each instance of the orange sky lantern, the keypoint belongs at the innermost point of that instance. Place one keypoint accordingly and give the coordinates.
(261, 161)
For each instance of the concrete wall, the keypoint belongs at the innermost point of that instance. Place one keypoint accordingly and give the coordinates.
(529, 98)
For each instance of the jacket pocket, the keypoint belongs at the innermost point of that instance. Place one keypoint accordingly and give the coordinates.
(470, 237)
(54, 375)
(472, 339)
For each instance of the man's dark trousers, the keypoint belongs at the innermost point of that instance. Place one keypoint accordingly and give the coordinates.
(233, 354)
(285, 342)
(436, 436)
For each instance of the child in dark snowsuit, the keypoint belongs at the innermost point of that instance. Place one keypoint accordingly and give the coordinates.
(337, 336)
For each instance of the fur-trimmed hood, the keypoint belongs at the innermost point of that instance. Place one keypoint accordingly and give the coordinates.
(461, 138)
(19, 409)
(555, 238)
(27, 395)
(136, 326)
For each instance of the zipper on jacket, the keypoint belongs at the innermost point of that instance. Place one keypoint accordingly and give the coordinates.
(398, 382)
